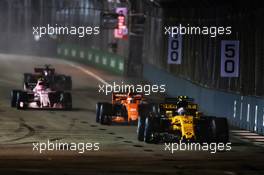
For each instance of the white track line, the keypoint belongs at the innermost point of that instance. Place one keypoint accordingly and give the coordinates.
(86, 71)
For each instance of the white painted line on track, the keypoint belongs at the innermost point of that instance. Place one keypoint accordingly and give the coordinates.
(249, 137)
(239, 131)
(254, 137)
(246, 134)
(86, 71)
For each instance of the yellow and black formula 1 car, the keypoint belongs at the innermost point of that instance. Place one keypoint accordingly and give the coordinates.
(178, 119)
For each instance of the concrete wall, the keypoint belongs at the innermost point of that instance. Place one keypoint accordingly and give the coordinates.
(246, 112)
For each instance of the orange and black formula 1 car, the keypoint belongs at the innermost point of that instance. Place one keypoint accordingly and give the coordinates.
(123, 109)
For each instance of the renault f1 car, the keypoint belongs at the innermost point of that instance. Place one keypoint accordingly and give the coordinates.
(57, 81)
(123, 109)
(41, 97)
(178, 119)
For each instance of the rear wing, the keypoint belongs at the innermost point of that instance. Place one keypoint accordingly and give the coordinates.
(173, 106)
(41, 70)
(176, 99)
(172, 103)
(124, 96)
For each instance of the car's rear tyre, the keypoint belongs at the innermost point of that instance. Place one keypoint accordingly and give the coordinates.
(25, 86)
(68, 83)
(98, 107)
(105, 114)
(221, 130)
(154, 108)
(143, 112)
(141, 128)
(149, 133)
(213, 129)
(14, 98)
(67, 100)
(28, 79)
(21, 100)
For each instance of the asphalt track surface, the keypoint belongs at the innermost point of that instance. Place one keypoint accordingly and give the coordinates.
(119, 153)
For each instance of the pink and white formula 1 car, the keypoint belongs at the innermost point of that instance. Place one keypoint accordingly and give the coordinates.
(56, 81)
(45, 99)
(41, 97)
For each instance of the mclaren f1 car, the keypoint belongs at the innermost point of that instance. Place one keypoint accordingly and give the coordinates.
(123, 109)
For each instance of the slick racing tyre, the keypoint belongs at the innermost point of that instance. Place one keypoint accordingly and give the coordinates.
(141, 128)
(21, 100)
(105, 114)
(149, 133)
(220, 130)
(25, 86)
(28, 79)
(14, 98)
(154, 108)
(213, 129)
(143, 111)
(67, 100)
(68, 83)
(98, 107)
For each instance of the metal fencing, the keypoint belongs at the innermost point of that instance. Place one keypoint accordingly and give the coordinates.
(201, 54)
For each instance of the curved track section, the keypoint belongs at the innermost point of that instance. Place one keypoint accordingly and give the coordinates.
(120, 152)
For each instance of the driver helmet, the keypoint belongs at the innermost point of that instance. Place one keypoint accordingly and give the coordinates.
(41, 85)
(46, 73)
(181, 111)
(182, 104)
(130, 97)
